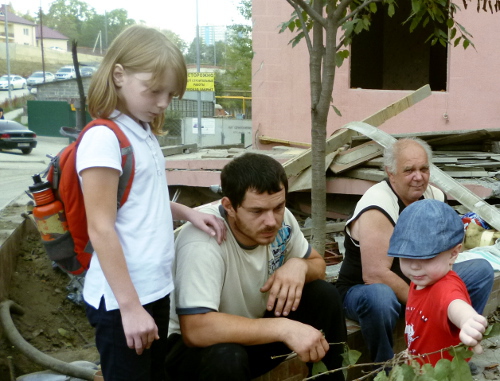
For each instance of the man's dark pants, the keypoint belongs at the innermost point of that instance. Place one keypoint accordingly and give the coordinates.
(320, 307)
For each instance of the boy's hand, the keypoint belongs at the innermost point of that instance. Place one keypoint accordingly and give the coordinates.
(472, 331)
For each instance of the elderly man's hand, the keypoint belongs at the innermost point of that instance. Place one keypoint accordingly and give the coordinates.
(285, 287)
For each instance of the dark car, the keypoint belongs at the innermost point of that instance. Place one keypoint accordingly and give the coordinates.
(14, 135)
(87, 71)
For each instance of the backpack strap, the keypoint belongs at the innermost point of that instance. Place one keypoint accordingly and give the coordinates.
(128, 160)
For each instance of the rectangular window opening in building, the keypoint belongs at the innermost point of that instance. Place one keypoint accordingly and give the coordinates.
(389, 57)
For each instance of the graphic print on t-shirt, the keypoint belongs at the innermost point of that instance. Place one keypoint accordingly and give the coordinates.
(278, 248)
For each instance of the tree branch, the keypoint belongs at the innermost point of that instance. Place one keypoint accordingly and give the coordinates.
(357, 10)
(310, 11)
(304, 26)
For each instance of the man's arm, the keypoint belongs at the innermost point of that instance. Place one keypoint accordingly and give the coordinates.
(202, 330)
(286, 284)
(471, 324)
(373, 230)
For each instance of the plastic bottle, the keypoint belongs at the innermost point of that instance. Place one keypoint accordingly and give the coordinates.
(48, 211)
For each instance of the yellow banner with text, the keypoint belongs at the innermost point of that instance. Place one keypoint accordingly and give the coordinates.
(201, 82)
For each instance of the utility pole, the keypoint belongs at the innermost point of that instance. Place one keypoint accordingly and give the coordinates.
(41, 44)
(7, 47)
(198, 70)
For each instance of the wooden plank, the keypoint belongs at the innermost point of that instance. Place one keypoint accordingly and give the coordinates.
(366, 174)
(355, 156)
(442, 180)
(466, 174)
(466, 137)
(304, 180)
(295, 166)
(331, 227)
(269, 140)
(175, 150)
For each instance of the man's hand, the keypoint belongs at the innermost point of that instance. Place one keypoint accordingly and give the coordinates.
(285, 286)
(140, 329)
(472, 331)
(309, 343)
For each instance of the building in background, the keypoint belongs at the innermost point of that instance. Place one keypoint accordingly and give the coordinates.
(210, 34)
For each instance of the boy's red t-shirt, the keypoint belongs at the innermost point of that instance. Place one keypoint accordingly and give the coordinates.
(428, 328)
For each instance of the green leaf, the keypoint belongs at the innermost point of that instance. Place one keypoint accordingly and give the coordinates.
(353, 359)
(381, 376)
(339, 60)
(449, 23)
(460, 370)
(453, 33)
(351, 355)
(461, 352)
(318, 368)
(466, 43)
(442, 369)
(415, 6)
(408, 371)
(492, 330)
(391, 11)
(427, 369)
(359, 27)
(457, 41)
(373, 8)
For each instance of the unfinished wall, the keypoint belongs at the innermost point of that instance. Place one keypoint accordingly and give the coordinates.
(280, 84)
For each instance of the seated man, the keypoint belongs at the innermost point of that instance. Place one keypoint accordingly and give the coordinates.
(370, 282)
(257, 295)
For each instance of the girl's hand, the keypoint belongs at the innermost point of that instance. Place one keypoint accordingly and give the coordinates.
(140, 329)
(210, 224)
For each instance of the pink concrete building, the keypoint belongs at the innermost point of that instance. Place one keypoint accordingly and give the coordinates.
(385, 65)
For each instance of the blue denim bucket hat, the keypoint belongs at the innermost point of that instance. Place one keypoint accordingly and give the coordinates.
(424, 229)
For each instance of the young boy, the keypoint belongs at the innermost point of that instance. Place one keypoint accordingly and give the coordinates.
(427, 238)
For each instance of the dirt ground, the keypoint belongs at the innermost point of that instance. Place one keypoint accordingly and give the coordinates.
(51, 323)
(57, 326)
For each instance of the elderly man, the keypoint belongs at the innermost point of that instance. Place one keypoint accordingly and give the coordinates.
(370, 282)
(259, 294)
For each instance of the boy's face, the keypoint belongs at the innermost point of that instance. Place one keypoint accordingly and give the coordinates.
(426, 272)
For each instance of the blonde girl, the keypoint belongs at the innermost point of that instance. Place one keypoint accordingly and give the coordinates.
(128, 283)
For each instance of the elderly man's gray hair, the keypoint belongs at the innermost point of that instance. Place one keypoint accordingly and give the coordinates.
(392, 153)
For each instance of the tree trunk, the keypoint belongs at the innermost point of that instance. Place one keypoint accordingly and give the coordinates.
(321, 59)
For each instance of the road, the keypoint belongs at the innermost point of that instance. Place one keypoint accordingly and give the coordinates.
(4, 94)
(16, 169)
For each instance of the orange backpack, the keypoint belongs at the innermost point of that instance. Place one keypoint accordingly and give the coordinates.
(72, 251)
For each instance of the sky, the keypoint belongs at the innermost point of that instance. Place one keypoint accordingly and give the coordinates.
(179, 16)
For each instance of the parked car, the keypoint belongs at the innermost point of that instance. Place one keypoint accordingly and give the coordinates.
(58, 49)
(66, 72)
(37, 78)
(14, 135)
(16, 82)
(87, 71)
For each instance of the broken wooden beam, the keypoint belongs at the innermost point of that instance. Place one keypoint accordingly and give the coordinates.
(295, 166)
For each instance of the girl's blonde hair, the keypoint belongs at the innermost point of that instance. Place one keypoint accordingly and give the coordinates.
(138, 49)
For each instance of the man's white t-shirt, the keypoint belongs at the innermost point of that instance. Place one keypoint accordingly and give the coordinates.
(227, 278)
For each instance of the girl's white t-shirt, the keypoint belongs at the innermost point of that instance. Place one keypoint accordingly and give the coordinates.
(144, 223)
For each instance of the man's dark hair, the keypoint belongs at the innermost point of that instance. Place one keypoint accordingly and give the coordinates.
(252, 171)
